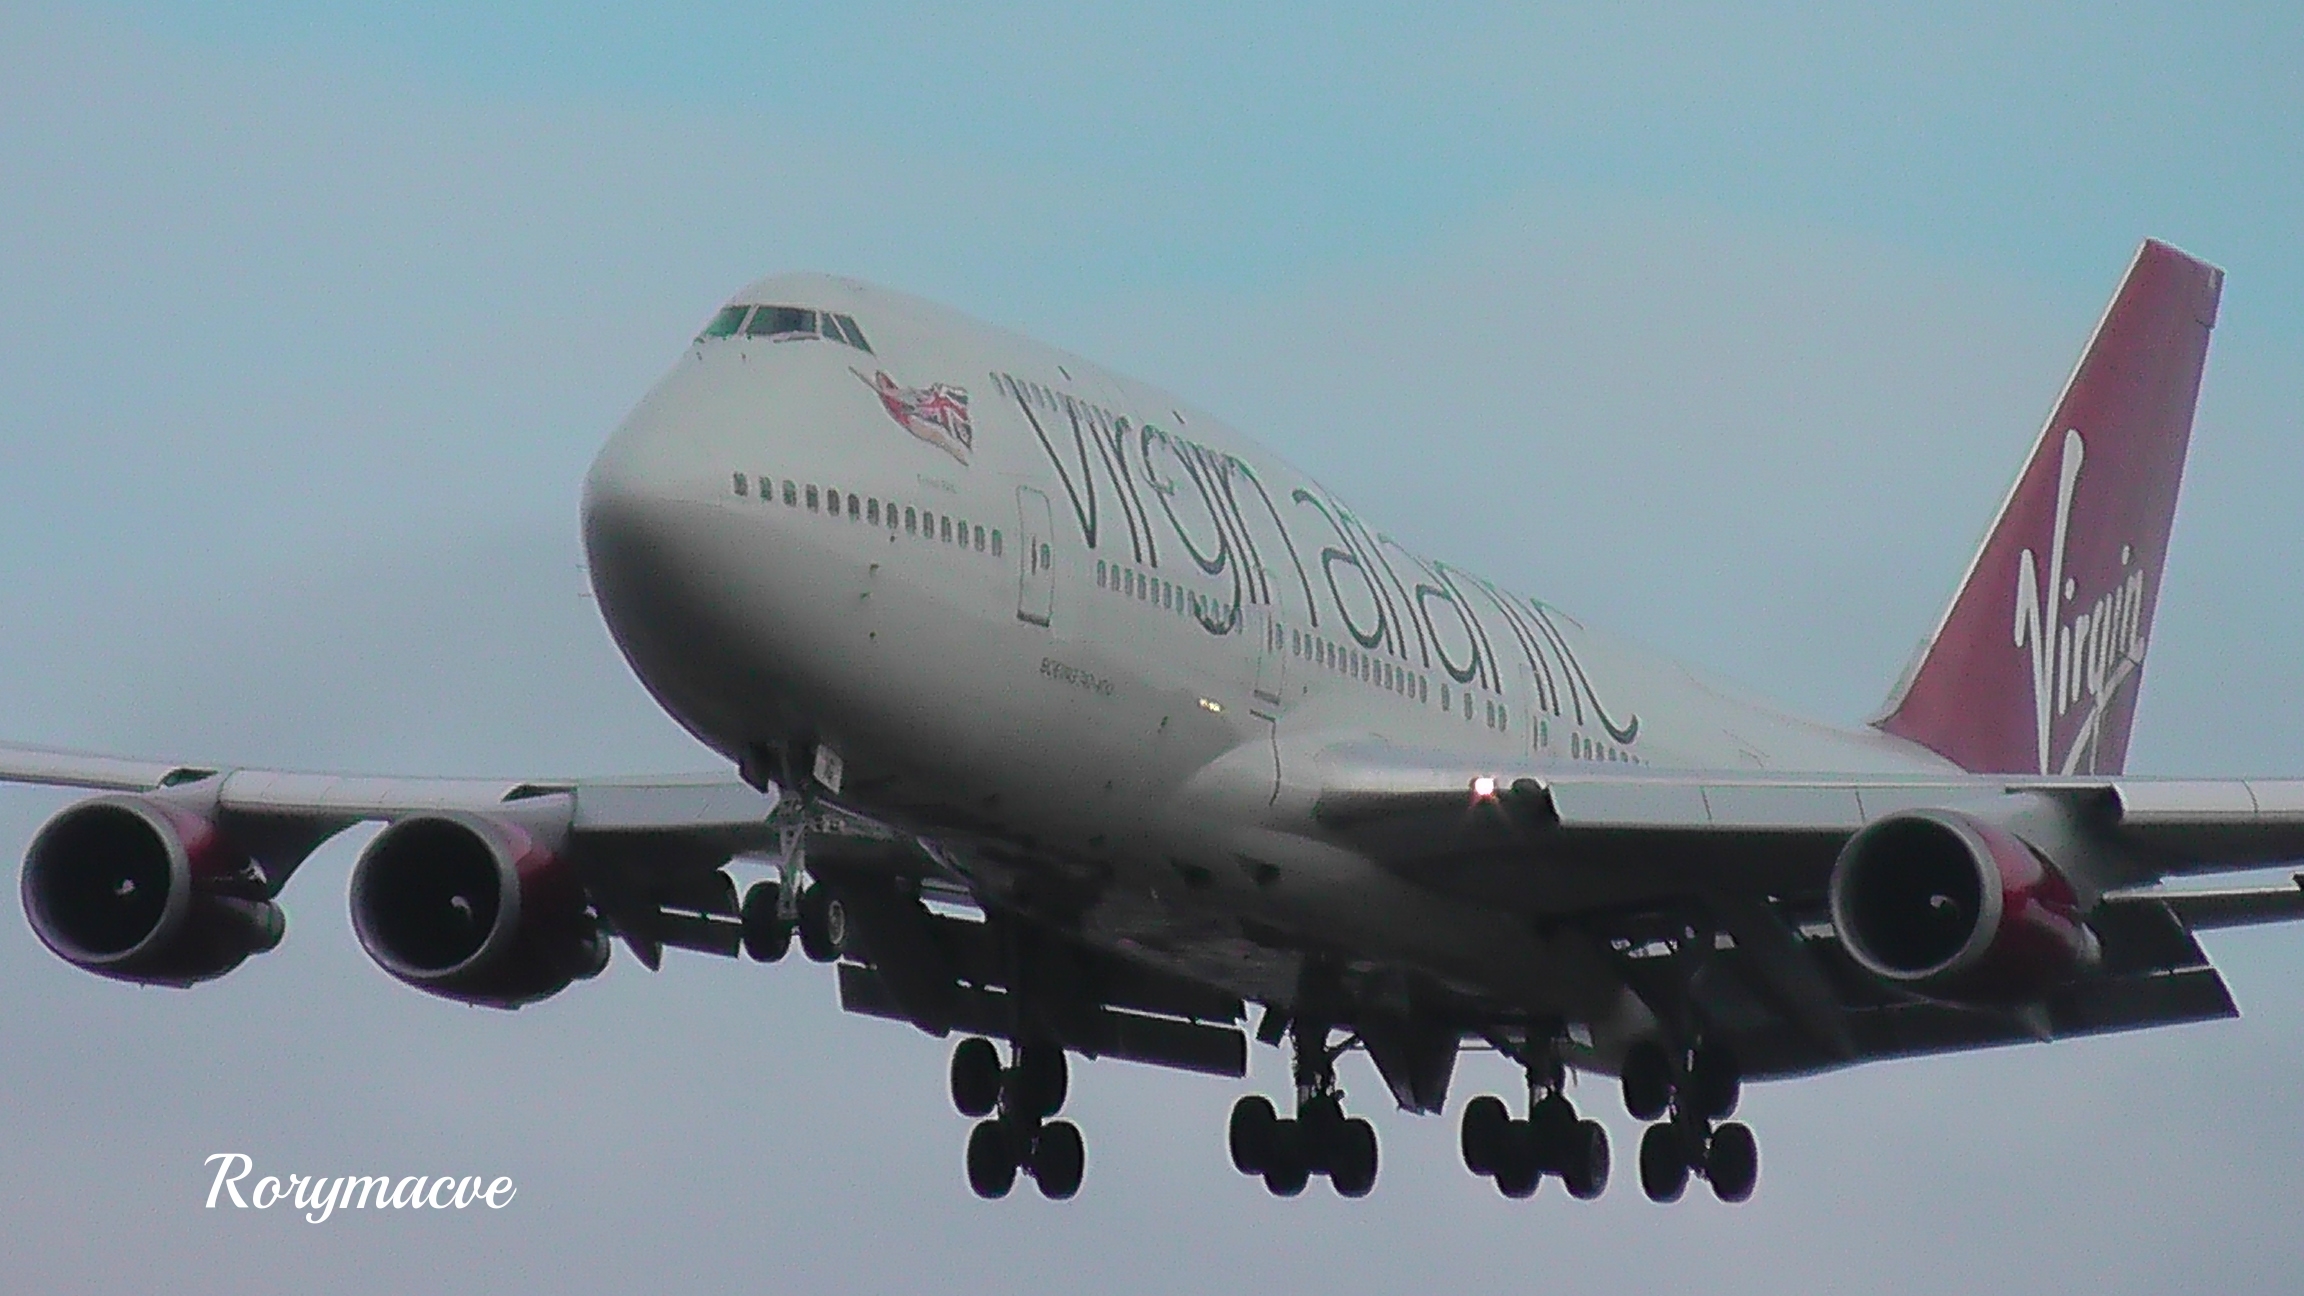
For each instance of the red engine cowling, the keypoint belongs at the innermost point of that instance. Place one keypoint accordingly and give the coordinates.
(1957, 908)
(473, 909)
(145, 890)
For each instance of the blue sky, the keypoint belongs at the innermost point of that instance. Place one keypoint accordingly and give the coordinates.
(1726, 331)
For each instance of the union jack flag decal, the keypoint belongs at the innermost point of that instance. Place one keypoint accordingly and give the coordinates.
(937, 413)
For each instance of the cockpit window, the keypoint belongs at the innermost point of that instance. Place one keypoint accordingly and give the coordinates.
(785, 323)
(776, 321)
(725, 324)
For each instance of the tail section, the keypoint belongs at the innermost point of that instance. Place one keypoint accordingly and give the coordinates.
(2036, 665)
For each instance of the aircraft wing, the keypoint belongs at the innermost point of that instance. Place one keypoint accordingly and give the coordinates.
(649, 855)
(1632, 858)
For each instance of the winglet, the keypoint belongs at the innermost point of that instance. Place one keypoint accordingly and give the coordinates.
(2036, 665)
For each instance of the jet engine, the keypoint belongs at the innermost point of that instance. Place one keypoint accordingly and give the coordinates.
(145, 890)
(474, 909)
(1957, 908)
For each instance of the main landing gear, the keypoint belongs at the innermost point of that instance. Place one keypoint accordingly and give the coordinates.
(1319, 1139)
(1016, 1133)
(1690, 1092)
(1550, 1139)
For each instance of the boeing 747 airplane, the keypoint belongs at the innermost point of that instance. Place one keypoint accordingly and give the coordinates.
(1070, 721)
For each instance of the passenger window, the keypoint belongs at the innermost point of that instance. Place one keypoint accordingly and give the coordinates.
(872, 512)
(911, 520)
(979, 539)
(1099, 573)
(724, 324)
(831, 502)
(855, 509)
(1047, 558)
(739, 477)
(960, 530)
(995, 543)
(813, 502)
(788, 493)
(779, 321)
(944, 526)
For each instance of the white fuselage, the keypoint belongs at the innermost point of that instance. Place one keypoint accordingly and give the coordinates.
(1089, 683)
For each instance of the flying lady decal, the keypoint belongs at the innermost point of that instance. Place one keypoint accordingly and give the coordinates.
(937, 413)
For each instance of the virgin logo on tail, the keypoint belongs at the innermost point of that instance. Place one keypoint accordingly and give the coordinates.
(2081, 656)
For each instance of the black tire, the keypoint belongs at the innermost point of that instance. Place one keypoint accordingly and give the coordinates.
(1518, 1173)
(1352, 1161)
(1552, 1132)
(1039, 1082)
(1647, 1076)
(823, 925)
(975, 1077)
(767, 934)
(1285, 1173)
(1585, 1167)
(1250, 1132)
(1320, 1132)
(1059, 1159)
(1481, 1135)
(991, 1163)
(1715, 1082)
(1663, 1164)
(1732, 1163)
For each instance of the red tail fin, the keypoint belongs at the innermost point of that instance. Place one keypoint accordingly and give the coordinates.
(2036, 665)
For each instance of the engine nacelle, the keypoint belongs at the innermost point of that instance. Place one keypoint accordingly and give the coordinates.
(1957, 908)
(145, 890)
(473, 909)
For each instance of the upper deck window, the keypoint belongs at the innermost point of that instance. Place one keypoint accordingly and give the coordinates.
(724, 324)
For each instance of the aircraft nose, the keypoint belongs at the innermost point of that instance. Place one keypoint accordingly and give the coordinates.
(657, 547)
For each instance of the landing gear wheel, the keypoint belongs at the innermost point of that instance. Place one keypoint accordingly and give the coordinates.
(823, 925)
(991, 1163)
(1518, 1174)
(1038, 1082)
(1285, 1172)
(1059, 1158)
(1663, 1164)
(767, 934)
(1585, 1163)
(1320, 1125)
(1647, 1076)
(1352, 1158)
(1250, 1133)
(1732, 1163)
(1552, 1132)
(1482, 1134)
(975, 1077)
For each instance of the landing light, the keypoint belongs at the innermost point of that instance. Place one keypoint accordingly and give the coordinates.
(1484, 788)
(1214, 708)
